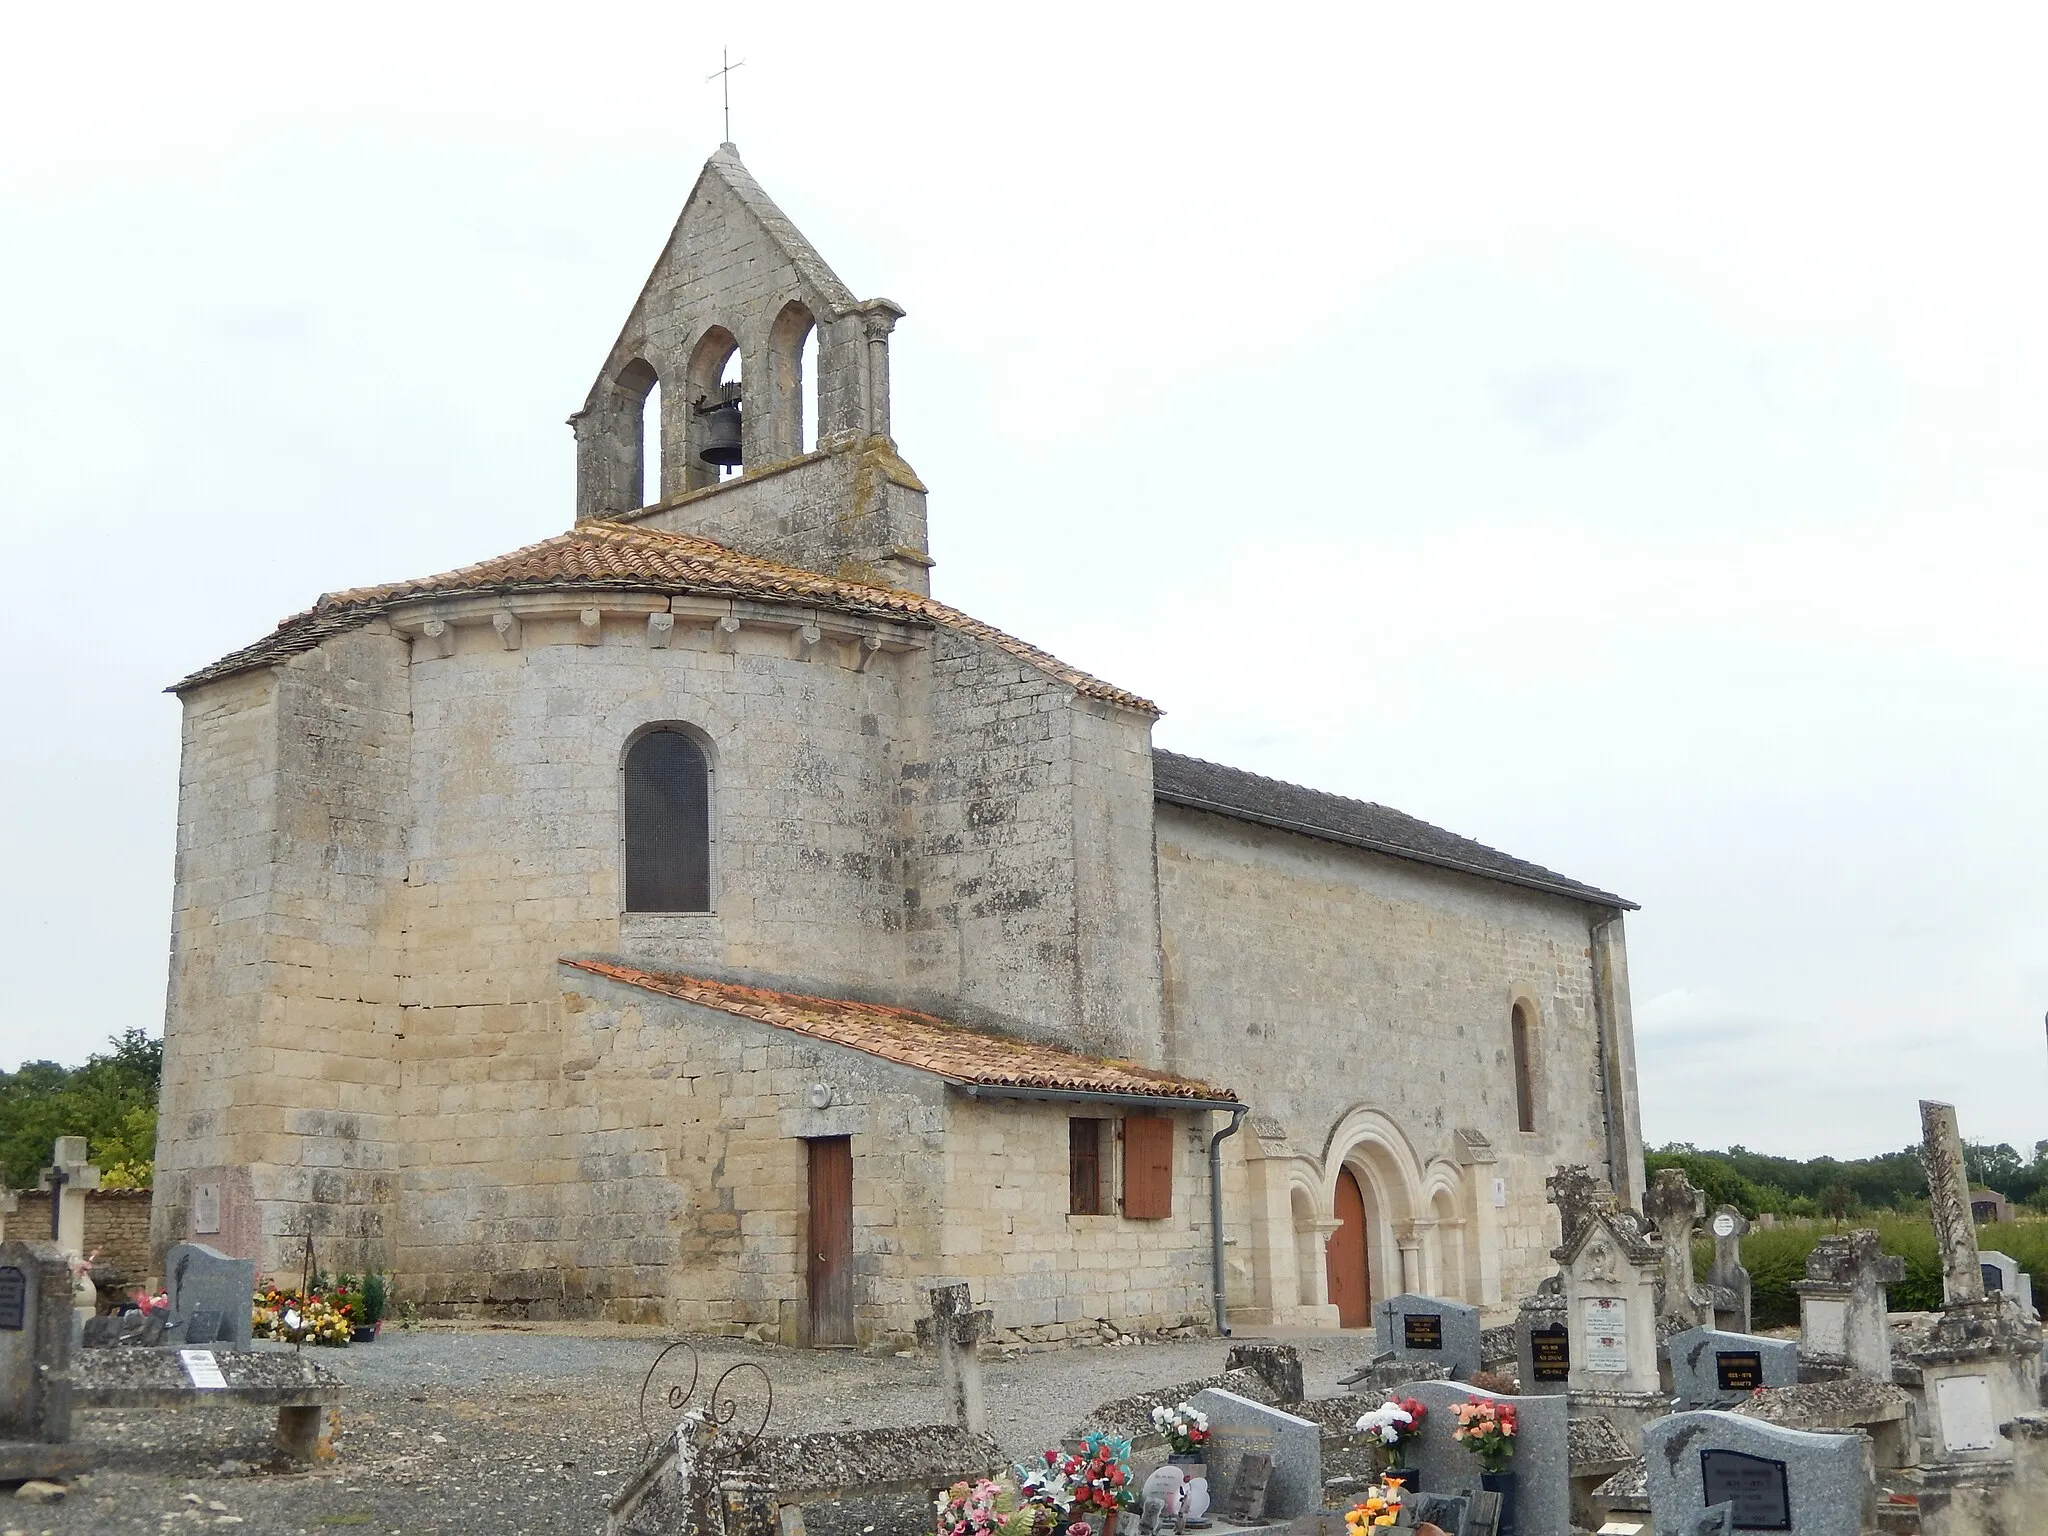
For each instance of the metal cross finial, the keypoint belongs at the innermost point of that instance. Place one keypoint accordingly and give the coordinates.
(724, 77)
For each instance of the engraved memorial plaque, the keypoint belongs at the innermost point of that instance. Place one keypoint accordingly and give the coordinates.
(1422, 1330)
(1994, 1277)
(1739, 1370)
(13, 1299)
(1606, 1322)
(1550, 1352)
(1755, 1485)
(1963, 1407)
(205, 1208)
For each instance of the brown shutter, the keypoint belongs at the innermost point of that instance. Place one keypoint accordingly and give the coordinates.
(1148, 1167)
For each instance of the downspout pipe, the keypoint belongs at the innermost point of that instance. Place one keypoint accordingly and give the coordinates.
(1237, 1114)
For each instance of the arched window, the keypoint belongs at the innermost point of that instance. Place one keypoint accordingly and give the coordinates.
(1525, 1069)
(668, 825)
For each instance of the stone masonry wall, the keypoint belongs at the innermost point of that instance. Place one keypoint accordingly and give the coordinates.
(116, 1227)
(1358, 981)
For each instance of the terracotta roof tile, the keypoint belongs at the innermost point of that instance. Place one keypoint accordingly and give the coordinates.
(952, 1051)
(605, 555)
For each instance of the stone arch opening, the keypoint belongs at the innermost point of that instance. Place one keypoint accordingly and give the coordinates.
(1373, 1150)
(714, 362)
(666, 782)
(792, 382)
(1448, 1229)
(1522, 1054)
(1308, 1248)
(638, 388)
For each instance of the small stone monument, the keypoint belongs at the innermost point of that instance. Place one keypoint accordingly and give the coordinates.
(1842, 1326)
(1427, 1328)
(1543, 1341)
(2002, 1273)
(1612, 1269)
(35, 1362)
(955, 1331)
(1728, 1280)
(211, 1296)
(1980, 1362)
(1675, 1208)
(1764, 1477)
(1712, 1369)
(1541, 1465)
(69, 1179)
(1239, 1428)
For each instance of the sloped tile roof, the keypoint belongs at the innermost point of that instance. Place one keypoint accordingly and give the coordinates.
(952, 1051)
(1203, 786)
(613, 556)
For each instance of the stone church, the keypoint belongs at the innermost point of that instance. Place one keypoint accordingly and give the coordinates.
(690, 918)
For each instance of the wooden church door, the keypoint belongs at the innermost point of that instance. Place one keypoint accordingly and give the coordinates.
(830, 1250)
(1350, 1281)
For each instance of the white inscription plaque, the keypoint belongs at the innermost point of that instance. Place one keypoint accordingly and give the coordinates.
(205, 1209)
(1825, 1323)
(1606, 1334)
(1967, 1422)
(202, 1369)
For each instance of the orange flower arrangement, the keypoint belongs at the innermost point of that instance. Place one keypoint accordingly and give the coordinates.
(1380, 1507)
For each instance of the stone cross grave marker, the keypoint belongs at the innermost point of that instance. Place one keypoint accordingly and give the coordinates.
(1948, 1198)
(1842, 1322)
(1426, 1328)
(1675, 1208)
(1541, 1465)
(1543, 1342)
(1239, 1428)
(1712, 1369)
(35, 1360)
(1730, 1227)
(955, 1331)
(211, 1296)
(1765, 1477)
(69, 1179)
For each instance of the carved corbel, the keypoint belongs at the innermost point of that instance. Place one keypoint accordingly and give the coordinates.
(661, 628)
(507, 626)
(805, 642)
(865, 650)
(438, 636)
(590, 627)
(725, 634)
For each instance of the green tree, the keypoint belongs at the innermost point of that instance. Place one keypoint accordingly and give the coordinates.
(111, 1101)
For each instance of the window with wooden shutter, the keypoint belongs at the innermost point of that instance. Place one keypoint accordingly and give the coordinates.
(1148, 1167)
(1084, 1167)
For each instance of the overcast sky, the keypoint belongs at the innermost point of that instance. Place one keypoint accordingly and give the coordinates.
(1611, 434)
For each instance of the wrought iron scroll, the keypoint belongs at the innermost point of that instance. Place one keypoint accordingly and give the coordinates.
(720, 1409)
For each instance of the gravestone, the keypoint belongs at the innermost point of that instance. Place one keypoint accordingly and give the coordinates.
(1542, 1462)
(1427, 1328)
(1711, 1369)
(1842, 1322)
(1980, 1361)
(1612, 1272)
(1728, 1279)
(35, 1362)
(1239, 1427)
(1543, 1343)
(1675, 1209)
(1776, 1479)
(211, 1296)
(956, 1330)
(69, 1179)
(2002, 1273)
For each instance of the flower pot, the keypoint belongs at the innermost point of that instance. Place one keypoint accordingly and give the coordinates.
(1502, 1483)
(1411, 1477)
(363, 1333)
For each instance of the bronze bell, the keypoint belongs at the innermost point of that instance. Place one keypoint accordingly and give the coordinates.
(721, 428)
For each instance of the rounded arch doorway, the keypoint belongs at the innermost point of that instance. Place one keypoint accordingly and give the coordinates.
(1346, 1258)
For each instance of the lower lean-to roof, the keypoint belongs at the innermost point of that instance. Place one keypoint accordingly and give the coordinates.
(1202, 786)
(956, 1052)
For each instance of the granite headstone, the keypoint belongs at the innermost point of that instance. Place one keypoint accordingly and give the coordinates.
(1788, 1480)
(1238, 1426)
(1430, 1329)
(35, 1342)
(1711, 1369)
(210, 1296)
(1542, 1465)
(2002, 1272)
(1543, 1344)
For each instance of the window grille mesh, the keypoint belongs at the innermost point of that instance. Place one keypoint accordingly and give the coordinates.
(668, 825)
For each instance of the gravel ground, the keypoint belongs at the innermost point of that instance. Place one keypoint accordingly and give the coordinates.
(504, 1431)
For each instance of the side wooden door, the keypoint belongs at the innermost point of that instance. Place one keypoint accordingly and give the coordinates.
(830, 1247)
(1350, 1282)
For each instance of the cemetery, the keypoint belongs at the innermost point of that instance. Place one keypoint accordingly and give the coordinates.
(1622, 1396)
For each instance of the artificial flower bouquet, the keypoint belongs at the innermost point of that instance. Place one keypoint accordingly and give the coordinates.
(991, 1507)
(1486, 1429)
(1394, 1423)
(1097, 1479)
(294, 1318)
(1185, 1427)
(1382, 1506)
